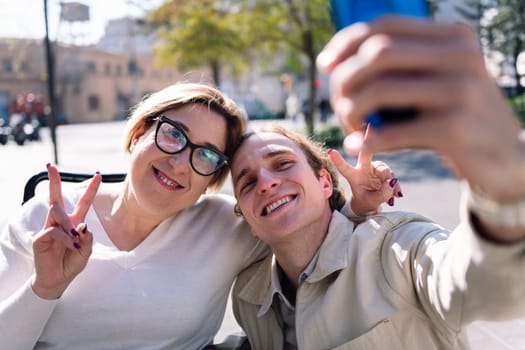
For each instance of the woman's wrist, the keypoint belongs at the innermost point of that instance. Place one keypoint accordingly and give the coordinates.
(46, 293)
(363, 212)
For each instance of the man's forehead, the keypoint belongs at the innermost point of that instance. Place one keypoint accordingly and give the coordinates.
(262, 146)
(269, 142)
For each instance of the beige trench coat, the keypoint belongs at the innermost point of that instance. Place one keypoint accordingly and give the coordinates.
(396, 281)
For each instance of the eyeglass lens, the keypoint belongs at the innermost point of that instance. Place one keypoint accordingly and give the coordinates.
(172, 140)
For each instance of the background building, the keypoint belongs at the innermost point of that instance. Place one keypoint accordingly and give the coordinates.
(93, 83)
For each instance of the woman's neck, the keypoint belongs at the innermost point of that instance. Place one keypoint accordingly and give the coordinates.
(124, 222)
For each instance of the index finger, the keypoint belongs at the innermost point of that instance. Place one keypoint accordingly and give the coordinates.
(85, 201)
(55, 186)
(364, 158)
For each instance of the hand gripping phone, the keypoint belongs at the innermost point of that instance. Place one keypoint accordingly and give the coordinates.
(347, 12)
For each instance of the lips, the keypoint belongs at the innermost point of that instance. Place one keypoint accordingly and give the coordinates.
(276, 205)
(166, 181)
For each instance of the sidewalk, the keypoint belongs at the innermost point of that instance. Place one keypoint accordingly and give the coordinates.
(428, 189)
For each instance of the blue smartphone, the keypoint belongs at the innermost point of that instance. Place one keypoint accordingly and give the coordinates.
(347, 12)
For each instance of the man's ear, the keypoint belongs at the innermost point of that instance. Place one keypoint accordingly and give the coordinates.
(326, 182)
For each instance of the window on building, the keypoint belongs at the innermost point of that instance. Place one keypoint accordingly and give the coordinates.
(76, 87)
(93, 103)
(24, 67)
(7, 65)
(91, 67)
(132, 67)
(107, 69)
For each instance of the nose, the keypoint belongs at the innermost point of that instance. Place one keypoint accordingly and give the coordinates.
(180, 160)
(267, 181)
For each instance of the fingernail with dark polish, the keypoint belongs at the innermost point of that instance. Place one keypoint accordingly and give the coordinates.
(84, 230)
(74, 232)
(76, 245)
(393, 182)
(329, 150)
(98, 172)
(400, 194)
(48, 165)
(391, 202)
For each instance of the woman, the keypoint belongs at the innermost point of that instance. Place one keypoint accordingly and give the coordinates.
(147, 263)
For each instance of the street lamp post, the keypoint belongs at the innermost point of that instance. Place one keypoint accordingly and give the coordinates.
(51, 85)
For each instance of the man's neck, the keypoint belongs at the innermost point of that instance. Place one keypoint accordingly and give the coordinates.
(295, 253)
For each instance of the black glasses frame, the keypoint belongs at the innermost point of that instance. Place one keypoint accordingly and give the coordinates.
(163, 119)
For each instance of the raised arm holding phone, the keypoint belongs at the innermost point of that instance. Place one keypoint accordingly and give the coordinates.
(462, 114)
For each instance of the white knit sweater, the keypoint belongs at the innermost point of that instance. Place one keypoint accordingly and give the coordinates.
(168, 293)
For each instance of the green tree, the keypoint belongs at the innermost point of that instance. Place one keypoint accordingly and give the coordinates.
(232, 33)
(297, 28)
(194, 34)
(501, 27)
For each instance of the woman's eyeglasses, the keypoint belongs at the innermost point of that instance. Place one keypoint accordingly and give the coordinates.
(170, 139)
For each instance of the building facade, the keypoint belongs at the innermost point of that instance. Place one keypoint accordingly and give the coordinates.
(92, 83)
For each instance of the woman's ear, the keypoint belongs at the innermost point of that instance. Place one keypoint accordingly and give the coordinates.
(133, 143)
(136, 136)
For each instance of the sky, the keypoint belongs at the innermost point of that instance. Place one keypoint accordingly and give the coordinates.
(25, 18)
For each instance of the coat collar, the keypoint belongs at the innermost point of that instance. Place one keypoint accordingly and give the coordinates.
(332, 256)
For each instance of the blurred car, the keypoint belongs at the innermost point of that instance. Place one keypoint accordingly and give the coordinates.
(256, 110)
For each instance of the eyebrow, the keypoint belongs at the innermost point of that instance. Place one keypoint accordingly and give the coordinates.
(185, 128)
(268, 155)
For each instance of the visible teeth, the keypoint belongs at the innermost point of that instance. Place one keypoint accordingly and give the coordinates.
(166, 180)
(277, 204)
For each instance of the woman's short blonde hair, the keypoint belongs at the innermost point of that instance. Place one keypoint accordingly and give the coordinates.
(181, 94)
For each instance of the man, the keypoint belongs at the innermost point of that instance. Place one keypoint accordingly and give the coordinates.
(395, 281)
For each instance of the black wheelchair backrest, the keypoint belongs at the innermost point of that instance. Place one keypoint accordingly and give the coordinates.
(32, 183)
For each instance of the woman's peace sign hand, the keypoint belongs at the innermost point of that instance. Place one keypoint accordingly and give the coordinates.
(372, 182)
(63, 246)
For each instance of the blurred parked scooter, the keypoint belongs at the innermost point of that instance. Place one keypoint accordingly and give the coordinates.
(5, 132)
(17, 129)
(32, 128)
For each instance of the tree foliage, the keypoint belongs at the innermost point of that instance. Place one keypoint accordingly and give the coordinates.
(232, 34)
(501, 27)
(194, 34)
(297, 28)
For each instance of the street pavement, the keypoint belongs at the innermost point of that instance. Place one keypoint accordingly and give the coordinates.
(427, 186)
